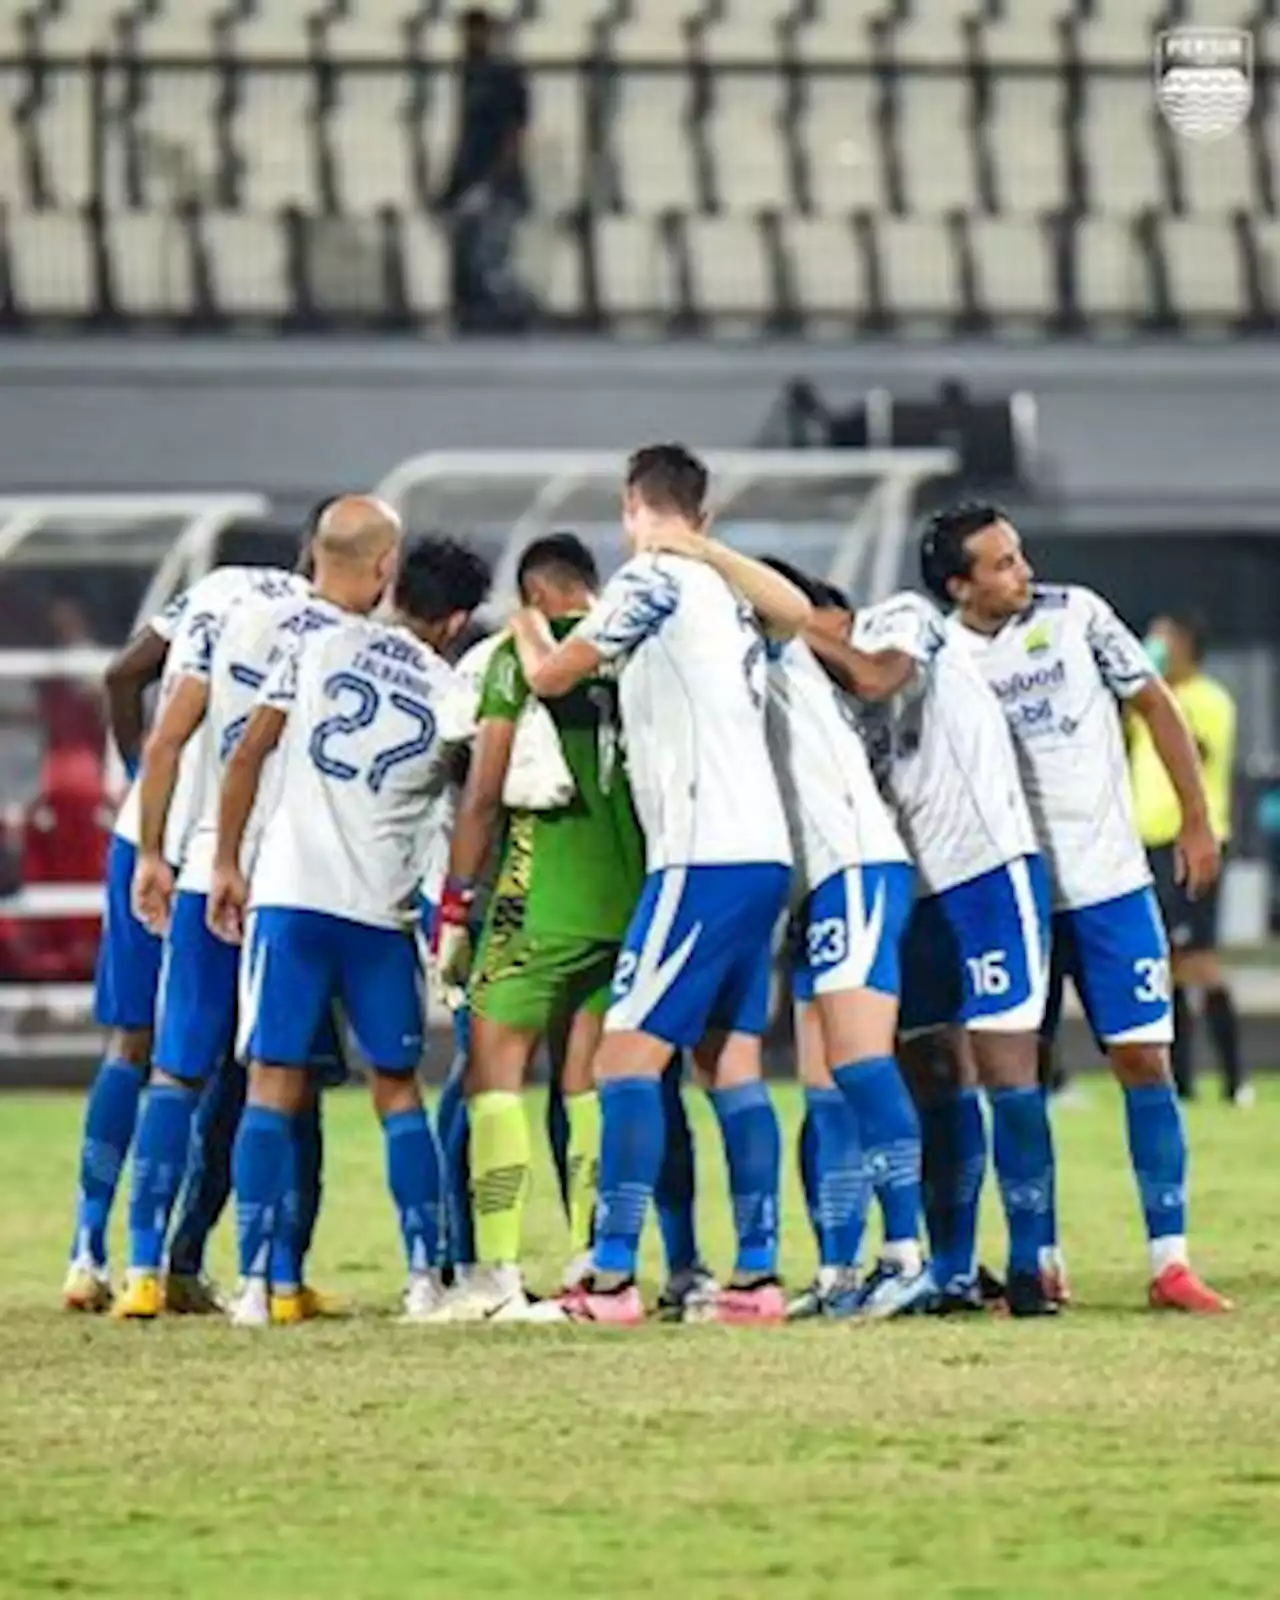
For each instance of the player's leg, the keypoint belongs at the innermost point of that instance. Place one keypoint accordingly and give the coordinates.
(195, 1025)
(288, 979)
(206, 1189)
(1196, 967)
(1175, 910)
(124, 1003)
(1123, 979)
(675, 1196)
(454, 1135)
(836, 1183)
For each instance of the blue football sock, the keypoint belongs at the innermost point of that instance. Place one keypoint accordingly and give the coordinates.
(1158, 1151)
(753, 1153)
(955, 1163)
(676, 1189)
(839, 1177)
(207, 1184)
(261, 1167)
(309, 1136)
(631, 1142)
(159, 1161)
(1022, 1153)
(888, 1131)
(109, 1117)
(558, 1138)
(413, 1177)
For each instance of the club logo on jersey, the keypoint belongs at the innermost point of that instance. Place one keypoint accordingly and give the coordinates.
(1037, 639)
(1204, 80)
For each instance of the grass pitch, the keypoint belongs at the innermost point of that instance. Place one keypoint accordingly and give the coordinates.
(1112, 1453)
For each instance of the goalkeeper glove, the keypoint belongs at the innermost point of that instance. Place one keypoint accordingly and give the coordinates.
(453, 933)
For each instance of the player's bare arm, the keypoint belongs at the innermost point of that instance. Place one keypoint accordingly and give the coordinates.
(1198, 852)
(228, 893)
(783, 610)
(132, 671)
(183, 712)
(877, 676)
(551, 669)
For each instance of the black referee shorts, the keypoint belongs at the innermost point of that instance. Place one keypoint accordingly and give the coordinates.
(1191, 924)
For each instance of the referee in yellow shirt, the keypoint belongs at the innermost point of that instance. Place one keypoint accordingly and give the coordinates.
(1175, 645)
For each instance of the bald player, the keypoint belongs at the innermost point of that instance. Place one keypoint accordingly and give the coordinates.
(359, 714)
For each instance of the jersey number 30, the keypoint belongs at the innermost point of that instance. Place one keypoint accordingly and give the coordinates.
(365, 701)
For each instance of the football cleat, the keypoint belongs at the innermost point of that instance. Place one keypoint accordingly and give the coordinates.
(1178, 1289)
(480, 1297)
(962, 1295)
(891, 1292)
(739, 1304)
(694, 1283)
(621, 1307)
(424, 1294)
(87, 1287)
(191, 1294)
(1025, 1295)
(1053, 1275)
(286, 1310)
(833, 1293)
(318, 1303)
(250, 1306)
(141, 1300)
(578, 1269)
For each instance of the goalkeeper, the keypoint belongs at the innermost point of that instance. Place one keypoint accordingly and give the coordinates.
(567, 883)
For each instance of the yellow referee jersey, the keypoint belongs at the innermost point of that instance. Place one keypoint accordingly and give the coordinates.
(1211, 715)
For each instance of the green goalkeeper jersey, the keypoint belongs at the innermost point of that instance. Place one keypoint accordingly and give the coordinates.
(577, 871)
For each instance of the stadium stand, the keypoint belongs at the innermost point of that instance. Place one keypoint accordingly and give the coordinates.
(816, 165)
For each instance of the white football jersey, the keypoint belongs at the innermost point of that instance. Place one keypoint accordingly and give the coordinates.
(362, 763)
(942, 751)
(834, 810)
(1058, 671)
(692, 695)
(255, 634)
(191, 624)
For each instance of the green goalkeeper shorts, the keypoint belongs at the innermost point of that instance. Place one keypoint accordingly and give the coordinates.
(534, 981)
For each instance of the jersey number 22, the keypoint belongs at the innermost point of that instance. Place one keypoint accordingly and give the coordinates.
(365, 701)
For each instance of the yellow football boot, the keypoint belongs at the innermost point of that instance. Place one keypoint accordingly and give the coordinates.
(142, 1299)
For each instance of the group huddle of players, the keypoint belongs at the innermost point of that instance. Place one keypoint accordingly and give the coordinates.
(601, 817)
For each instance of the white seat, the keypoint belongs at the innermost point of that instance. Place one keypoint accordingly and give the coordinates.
(842, 142)
(176, 128)
(1121, 33)
(934, 37)
(655, 32)
(652, 144)
(1027, 33)
(827, 269)
(1119, 136)
(1217, 174)
(181, 27)
(440, 123)
(150, 256)
(84, 26)
(549, 261)
(839, 33)
(1111, 279)
(370, 141)
(633, 268)
(1027, 143)
(374, 29)
(919, 273)
(1219, 13)
(1266, 238)
(1014, 267)
(557, 165)
(563, 31)
(937, 145)
(729, 268)
(426, 266)
(248, 264)
(747, 141)
(64, 128)
(278, 29)
(50, 263)
(13, 170)
(274, 136)
(1205, 269)
(740, 37)
(345, 265)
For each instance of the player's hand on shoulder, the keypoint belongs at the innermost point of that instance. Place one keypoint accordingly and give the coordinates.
(667, 536)
(152, 893)
(1199, 856)
(228, 897)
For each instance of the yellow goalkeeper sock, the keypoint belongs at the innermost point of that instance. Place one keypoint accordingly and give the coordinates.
(583, 1112)
(499, 1175)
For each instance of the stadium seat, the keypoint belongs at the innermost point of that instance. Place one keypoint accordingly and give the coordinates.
(937, 147)
(151, 265)
(1026, 34)
(839, 32)
(345, 266)
(63, 125)
(1119, 33)
(748, 141)
(1014, 268)
(633, 269)
(368, 134)
(918, 268)
(281, 29)
(550, 262)
(933, 36)
(558, 169)
(1216, 174)
(651, 142)
(1203, 259)
(50, 264)
(561, 31)
(439, 123)
(372, 32)
(729, 269)
(842, 146)
(1025, 138)
(658, 31)
(77, 28)
(741, 36)
(175, 134)
(1120, 149)
(426, 267)
(1111, 277)
(826, 269)
(178, 27)
(1266, 238)
(276, 141)
(248, 264)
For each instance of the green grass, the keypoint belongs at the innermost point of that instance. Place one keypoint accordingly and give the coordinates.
(1112, 1453)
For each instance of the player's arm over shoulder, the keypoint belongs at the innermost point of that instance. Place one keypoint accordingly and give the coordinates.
(888, 645)
(504, 689)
